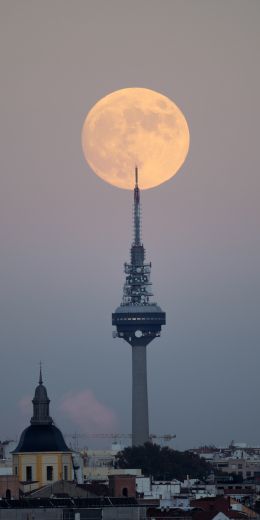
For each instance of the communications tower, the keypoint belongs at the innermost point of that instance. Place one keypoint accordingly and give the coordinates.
(138, 321)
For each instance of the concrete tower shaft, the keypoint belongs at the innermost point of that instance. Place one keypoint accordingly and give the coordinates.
(140, 415)
(138, 321)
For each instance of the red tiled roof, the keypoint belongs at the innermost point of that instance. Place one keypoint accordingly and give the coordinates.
(235, 491)
(213, 506)
(212, 503)
(204, 515)
(209, 515)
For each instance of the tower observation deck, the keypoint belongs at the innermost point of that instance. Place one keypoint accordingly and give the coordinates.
(138, 321)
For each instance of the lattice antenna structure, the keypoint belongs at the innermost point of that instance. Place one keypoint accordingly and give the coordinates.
(137, 284)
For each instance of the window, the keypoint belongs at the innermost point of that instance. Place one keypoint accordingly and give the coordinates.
(65, 473)
(125, 492)
(16, 471)
(28, 473)
(49, 472)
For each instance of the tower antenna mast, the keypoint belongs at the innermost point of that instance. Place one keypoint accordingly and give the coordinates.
(137, 211)
(138, 321)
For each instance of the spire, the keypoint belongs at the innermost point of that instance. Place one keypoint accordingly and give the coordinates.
(41, 404)
(40, 377)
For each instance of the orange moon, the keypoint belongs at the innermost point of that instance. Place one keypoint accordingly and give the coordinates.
(135, 127)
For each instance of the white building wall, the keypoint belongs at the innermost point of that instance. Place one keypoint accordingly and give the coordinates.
(165, 490)
(143, 485)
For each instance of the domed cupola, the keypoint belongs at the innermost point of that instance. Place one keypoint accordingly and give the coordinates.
(42, 455)
(42, 435)
(41, 404)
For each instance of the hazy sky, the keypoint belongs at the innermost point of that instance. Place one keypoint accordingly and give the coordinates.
(65, 234)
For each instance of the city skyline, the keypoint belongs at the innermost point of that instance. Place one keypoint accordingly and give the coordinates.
(64, 233)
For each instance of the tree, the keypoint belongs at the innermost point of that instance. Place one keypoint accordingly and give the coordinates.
(163, 463)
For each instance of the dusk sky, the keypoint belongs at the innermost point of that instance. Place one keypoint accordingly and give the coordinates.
(65, 233)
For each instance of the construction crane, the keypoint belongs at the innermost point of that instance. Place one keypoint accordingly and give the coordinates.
(167, 437)
(115, 436)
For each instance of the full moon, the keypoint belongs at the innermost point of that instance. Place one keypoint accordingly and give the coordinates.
(135, 127)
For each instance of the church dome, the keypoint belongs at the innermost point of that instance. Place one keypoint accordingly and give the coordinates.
(42, 435)
(41, 438)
